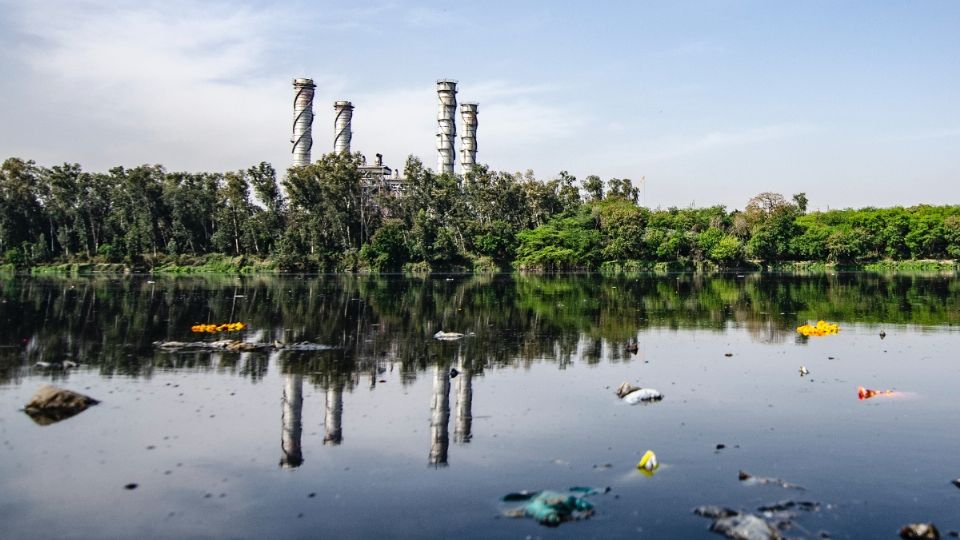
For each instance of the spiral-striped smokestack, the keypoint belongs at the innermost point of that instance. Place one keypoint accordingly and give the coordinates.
(446, 125)
(302, 138)
(468, 143)
(341, 128)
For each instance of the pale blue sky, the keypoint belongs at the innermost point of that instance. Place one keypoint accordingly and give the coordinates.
(856, 103)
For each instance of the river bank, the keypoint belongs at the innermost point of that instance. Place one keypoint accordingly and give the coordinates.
(223, 264)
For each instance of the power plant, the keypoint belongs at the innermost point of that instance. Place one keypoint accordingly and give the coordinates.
(468, 143)
(302, 138)
(378, 174)
(341, 127)
(446, 125)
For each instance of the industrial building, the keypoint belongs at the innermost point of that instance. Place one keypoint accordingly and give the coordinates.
(378, 175)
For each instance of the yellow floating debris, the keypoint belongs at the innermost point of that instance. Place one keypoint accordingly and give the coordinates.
(214, 328)
(822, 328)
(648, 463)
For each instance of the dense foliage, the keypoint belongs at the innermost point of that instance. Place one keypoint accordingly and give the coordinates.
(328, 217)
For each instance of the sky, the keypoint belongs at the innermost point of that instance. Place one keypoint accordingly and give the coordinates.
(854, 103)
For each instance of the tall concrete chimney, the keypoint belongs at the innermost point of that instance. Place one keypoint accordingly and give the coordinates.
(302, 121)
(468, 143)
(342, 132)
(446, 125)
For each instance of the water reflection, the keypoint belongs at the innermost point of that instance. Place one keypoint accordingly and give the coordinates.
(378, 324)
(463, 431)
(333, 415)
(291, 420)
(110, 324)
(439, 416)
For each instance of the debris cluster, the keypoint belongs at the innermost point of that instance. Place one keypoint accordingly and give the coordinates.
(822, 328)
(766, 524)
(214, 328)
(551, 508)
(750, 480)
(236, 345)
(867, 393)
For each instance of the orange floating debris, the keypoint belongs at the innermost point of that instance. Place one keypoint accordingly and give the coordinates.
(214, 328)
(866, 393)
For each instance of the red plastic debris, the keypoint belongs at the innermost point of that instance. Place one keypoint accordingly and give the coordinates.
(866, 393)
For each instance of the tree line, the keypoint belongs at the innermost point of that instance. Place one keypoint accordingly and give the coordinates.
(327, 216)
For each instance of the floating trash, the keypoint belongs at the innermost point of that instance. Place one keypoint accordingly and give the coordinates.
(551, 508)
(867, 393)
(804, 371)
(236, 345)
(214, 328)
(749, 479)
(648, 463)
(633, 395)
(745, 526)
(766, 525)
(822, 328)
(920, 531)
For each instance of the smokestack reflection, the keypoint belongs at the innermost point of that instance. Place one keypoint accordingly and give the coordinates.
(334, 415)
(291, 419)
(462, 432)
(440, 417)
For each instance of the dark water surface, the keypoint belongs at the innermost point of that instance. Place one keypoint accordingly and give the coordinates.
(373, 439)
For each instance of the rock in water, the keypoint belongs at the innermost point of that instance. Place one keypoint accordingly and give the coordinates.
(745, 527)
(51, 404)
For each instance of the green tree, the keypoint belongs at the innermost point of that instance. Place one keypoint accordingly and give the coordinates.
(593, 187)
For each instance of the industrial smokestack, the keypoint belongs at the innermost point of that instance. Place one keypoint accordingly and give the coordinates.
(342, 132)
(468, 143)
(446, 125)
(302, 121)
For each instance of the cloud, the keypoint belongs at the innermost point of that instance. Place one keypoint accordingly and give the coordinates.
(173, 79)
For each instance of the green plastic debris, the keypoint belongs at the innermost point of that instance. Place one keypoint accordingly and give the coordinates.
(550, 508)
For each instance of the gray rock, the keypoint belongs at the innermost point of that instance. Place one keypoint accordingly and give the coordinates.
(51, 404)
(745, 527)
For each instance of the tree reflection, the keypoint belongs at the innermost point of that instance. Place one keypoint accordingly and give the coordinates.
(109, 324)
